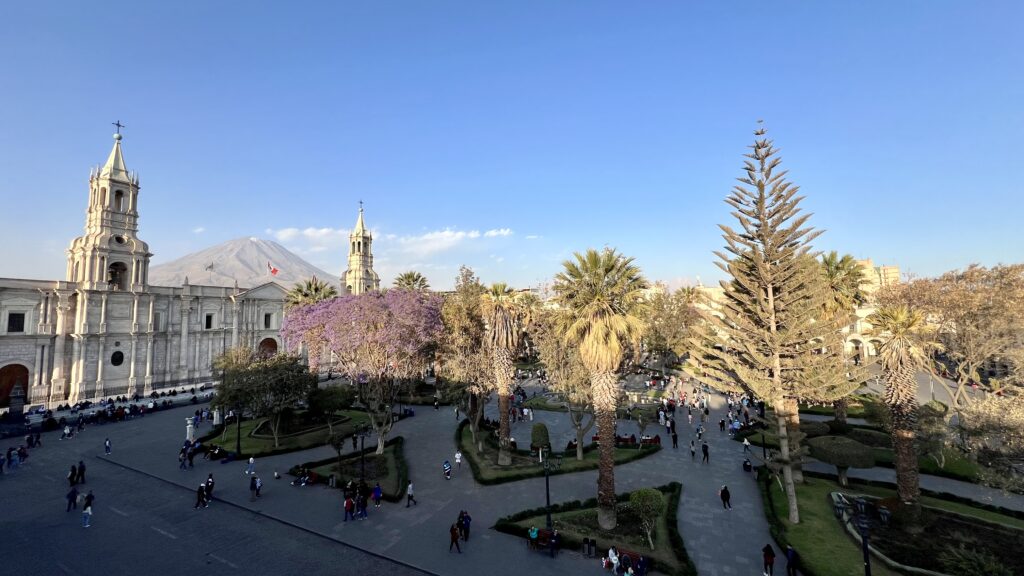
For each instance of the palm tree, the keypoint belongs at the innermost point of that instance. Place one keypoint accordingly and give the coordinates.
(309, 292)
(601, 293)
(412, 281)
(905, 350)
(844, 280)
(503, 315)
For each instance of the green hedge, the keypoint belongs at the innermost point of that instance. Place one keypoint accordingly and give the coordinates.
(470, 456)
(674, 492)
(402, 466)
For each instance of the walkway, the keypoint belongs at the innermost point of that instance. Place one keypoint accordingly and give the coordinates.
(720, 542)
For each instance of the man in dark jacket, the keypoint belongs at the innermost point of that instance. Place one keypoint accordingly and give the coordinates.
(80, 478)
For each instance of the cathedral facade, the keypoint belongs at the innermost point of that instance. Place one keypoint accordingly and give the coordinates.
(104, 330)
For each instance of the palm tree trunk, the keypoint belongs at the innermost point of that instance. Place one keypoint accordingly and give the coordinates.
(899, 395)
(605, 395)
(503, 371)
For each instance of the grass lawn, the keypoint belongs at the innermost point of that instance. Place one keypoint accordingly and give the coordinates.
(958, 466)
(486, 470)
(824, 546)
(264, 445)
(576, 521)
(854, 407)
(388, 468)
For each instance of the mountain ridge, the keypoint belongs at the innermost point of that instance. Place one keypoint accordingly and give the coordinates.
(240, 260)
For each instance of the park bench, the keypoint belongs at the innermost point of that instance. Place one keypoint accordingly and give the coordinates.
(628, 559)
(543, 541)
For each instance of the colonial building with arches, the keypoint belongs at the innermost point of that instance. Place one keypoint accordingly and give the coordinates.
(104, 330)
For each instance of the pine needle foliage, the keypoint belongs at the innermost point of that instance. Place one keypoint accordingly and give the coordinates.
(765, 336)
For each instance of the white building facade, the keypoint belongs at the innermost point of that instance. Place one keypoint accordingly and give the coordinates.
(104, 331)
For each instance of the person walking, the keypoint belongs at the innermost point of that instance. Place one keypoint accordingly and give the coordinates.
(81, 472)
(458, 458)
(209, 488)
(704, 450)
(252, 488)
(410, 498)
(453, 534)
(725, 496)
(201, 497)
(467, 520)
(252, 465)
(73, 476)
(792, 561)
(378, 493)
(89, 499)
(746, 445)
(72, 499)
(675, 440)
(693, 450)
(106, 446)
(182, 463)
(768, 554)
(259, 484)
(350, 508)
(86, 515)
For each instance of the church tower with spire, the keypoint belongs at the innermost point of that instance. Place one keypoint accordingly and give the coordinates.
(110, 256)
(360, 277)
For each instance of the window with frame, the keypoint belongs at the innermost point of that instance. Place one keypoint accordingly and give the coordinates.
(268, 321)
(209, 321)
(16, 322)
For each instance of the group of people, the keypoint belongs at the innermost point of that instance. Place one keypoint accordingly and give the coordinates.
(357, 498)
(204, 494)
(459, 530)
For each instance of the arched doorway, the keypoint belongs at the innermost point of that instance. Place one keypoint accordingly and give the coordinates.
(11, 375)
(268, 347)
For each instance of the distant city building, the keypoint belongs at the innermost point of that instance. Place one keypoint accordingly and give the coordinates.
(360, 277)
(105, 331)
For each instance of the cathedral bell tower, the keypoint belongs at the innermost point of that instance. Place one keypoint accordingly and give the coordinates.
(360, 277)
(110, 256)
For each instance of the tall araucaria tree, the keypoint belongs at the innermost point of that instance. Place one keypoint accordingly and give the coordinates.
(601, 294)
(503, 314)
(463, 362)
(766, 332)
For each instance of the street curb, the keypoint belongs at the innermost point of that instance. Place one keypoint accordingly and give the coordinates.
(274, 518)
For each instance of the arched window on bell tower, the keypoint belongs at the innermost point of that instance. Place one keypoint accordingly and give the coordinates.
(117, 276)
(118, 201)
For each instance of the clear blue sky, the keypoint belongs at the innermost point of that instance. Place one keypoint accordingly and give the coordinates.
(554, 125)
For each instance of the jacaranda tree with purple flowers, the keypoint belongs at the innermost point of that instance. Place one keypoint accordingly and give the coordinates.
(384, 340)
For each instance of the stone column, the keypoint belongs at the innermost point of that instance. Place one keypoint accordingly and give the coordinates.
(37, 373)
(100, 361)
(131, 366)
(59, 380)
(183, 352)
(235, 319)
(148, 382)
(103, 313)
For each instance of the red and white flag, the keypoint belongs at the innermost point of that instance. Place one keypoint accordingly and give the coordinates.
(270, 268)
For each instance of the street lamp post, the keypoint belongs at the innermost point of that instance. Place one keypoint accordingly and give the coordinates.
(238, 431)
(864, 527)
(363, 433)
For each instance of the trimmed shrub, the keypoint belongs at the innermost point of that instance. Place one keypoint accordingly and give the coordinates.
(814, 429)
(871, 438)
(843, 453)
(539, 436)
